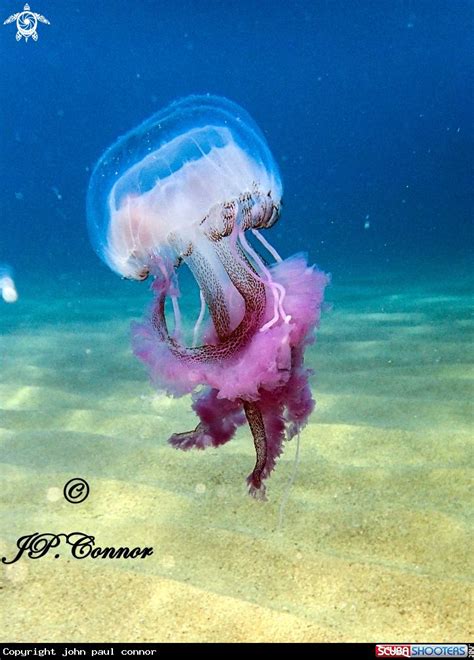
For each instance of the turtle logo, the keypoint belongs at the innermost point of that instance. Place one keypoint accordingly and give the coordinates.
(26, 23)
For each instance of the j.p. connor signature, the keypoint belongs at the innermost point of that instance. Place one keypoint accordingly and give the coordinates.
(81, 545)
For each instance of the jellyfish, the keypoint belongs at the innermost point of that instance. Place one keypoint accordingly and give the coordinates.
(196, 185)
(7, 285)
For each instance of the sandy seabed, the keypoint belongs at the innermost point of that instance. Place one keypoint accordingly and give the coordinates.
(374, 544)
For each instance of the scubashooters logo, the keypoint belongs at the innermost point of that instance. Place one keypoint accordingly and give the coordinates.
(422, 650)
(80, 546)
(26, 23)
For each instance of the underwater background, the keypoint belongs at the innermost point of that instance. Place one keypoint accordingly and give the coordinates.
(367, 108)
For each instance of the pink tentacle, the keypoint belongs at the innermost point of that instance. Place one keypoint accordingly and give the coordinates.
(275, 286)
(267, 245)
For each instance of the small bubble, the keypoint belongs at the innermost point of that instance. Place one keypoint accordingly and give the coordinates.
(88, 351)
(56, 192)
(299, 556)
(19, 195)
(16, 572)
(168, 561)
(53, 494)
(221, 491)
(200, 489)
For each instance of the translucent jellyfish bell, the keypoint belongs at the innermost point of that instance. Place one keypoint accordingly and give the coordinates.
(187, 171)
(185, 187)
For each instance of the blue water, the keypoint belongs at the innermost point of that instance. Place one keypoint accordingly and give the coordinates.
(366, 106)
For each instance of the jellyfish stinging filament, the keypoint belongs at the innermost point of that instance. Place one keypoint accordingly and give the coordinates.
(189, 186)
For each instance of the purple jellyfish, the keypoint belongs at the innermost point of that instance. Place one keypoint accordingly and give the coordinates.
(187, 187)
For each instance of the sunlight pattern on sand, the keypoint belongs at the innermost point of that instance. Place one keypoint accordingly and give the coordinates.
(375, 537)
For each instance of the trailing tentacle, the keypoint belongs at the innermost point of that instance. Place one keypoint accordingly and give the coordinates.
(257, 426)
